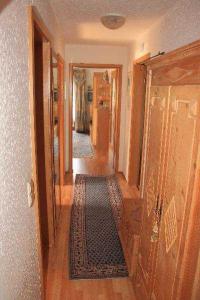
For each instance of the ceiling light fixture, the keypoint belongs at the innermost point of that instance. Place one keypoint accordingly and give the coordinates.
(113, 21)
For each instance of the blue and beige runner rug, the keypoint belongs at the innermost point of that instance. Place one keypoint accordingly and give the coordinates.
(95, 247)
(82, 146)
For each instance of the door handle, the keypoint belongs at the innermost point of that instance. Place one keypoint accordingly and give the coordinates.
(158, 215)
(154, 235)
(158, 209)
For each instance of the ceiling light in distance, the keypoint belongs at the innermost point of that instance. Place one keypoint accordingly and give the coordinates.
(113, 21)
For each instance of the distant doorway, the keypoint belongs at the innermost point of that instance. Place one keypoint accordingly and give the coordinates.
(95, 112)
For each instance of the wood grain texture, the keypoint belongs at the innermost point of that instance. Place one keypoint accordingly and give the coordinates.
(157, 108)
(70, 125)
(113, 108)
(102, 128)
(61, 128)
(130, 228)
(117, 119)
(47, 140)
(181, 72)
(169, 249)
(137, 120)
(190, 50)
(58, 284)
(180, 184)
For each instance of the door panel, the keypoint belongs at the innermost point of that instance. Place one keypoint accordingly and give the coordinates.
(158, 109)
(182, 140)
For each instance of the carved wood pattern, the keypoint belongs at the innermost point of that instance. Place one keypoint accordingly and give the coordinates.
(182, 130)
(161, 266)
(158, 99)
(170, 225)
(157, 117)
(186, 71)
(151, 196)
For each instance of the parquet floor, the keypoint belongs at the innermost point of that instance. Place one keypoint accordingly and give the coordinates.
(58, 285)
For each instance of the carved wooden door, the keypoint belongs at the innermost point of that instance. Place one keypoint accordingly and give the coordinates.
(180, 163)
(156, 130)
(170, 243)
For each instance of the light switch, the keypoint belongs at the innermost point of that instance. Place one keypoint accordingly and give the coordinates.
(30, 193)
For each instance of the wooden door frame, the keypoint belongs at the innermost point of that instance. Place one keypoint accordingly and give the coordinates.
(61, 130)
(133, 128)
(118, 105)
(35, 22)
(113, 76)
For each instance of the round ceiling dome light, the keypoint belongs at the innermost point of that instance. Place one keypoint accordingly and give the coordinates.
(113, 21)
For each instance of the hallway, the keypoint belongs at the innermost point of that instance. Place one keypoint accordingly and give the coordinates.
(134, 67)
(59, 286)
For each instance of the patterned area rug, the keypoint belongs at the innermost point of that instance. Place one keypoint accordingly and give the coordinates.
(82, 146)
(95, 247)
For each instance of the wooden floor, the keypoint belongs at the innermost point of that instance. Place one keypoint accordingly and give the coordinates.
(58, 285)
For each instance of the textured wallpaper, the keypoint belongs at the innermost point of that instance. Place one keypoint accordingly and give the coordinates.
(180, 26)
(19, 273)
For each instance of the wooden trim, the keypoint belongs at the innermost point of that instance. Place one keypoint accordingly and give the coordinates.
(135, 116)
(142, 59)
(39, 23)
(113, 77)
(117, 119)
(118, 106)
(184, 286)
(60, 65)
(47, 138)
(70, 116)
(191, 49)
(95, 66)
(145, 134)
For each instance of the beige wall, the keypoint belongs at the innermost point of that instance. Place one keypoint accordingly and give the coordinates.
(180, 26)
(103, 55)
(19, 276)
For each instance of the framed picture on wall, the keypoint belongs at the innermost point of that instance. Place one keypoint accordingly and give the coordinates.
(89, 94)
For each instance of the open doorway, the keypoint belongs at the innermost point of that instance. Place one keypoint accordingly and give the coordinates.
(40, 95)
(46, 111)
(40, 142)
(95, 113)
(81, 113)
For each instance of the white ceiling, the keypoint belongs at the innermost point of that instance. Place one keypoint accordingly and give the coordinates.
(80, 19)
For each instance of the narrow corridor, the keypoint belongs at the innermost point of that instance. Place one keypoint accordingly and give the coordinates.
(59, 286)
